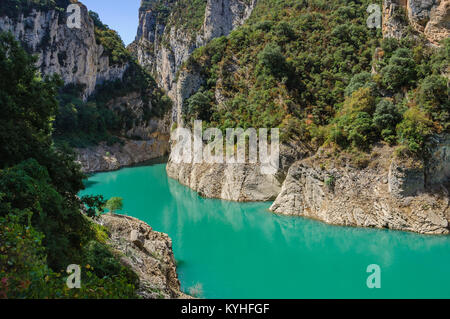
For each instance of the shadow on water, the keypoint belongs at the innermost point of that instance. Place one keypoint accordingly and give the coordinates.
(89, 183)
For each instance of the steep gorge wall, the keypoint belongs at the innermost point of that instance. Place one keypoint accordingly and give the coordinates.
(429, 17)
(162, 45)
(73, 53)
(389, 193)
(76, 55)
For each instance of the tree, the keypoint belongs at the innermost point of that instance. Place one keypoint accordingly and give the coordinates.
(95, 205)
(386, 118)
(433, 96)
(27, 104)
(414, 129)
(361, 80)
(272, 59)
(199, 106)
(114, 204)
(400, 71)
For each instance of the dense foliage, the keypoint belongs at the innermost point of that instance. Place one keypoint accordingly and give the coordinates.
(42, 230)
(111, 42)
(183, 14)
(306, 66)
(12, 8)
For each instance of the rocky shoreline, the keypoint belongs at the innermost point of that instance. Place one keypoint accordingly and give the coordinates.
(147, 252)
(104, 158)
(389, 193)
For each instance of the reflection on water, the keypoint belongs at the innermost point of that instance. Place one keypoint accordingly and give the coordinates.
(240, 250)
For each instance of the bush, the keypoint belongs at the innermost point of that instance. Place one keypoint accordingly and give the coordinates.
(385, 119)
(273, 60)
(361, 80)
(400, 71)
(414, 129)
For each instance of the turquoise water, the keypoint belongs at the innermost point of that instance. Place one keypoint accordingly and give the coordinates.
(236, 250)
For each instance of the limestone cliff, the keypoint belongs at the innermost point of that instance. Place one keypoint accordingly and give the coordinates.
(77, 55)
(73, 53)
(389, 193)
(148, 253)
(429, 17)
(236, 182)
(166, 38)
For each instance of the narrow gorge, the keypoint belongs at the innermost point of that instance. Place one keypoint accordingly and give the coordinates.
(360, 94)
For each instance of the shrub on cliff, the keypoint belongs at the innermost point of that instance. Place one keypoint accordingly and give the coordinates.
(414, 129)
(386, 118)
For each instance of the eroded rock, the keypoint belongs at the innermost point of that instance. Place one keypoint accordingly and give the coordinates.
(148, 253)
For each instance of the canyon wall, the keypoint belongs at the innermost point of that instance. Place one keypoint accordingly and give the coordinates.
(77, 57)
(163, 43)
(429, 17)
(73, 53)
(390, 193)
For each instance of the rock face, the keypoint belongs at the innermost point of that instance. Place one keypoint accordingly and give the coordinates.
(388, 194)
(148, 253)
(429, 17)
(162, 45)
(235, 182)
(102, 158)
(73, 53)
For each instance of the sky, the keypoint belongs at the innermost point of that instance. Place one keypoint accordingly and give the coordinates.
(119, 15)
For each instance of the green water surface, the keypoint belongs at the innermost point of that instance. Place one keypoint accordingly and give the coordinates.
(241, 250)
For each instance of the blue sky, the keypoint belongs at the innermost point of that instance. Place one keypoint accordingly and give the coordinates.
(119, 15)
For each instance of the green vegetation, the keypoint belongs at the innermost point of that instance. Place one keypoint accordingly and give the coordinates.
(184, 14)
(111, 42)
(12, 8)
(42, 230)
(188, 14)
(305, 66)
(114, 204)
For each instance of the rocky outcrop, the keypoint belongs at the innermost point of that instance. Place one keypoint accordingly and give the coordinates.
(73, 53)
(147, 252)
(102, 158)
(162, 45)
(236, 182)
(390, 193)
(429, 17)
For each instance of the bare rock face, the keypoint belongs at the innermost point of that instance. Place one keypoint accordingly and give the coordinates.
(387, 194)
(223, 16)
(163, 47)
(235, 182)
(103, 158)
(148, 253)
(438, 27)
(70, 52)
(429, 17)
(438, 165)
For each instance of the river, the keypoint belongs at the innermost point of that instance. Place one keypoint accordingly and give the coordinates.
(241, 250)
